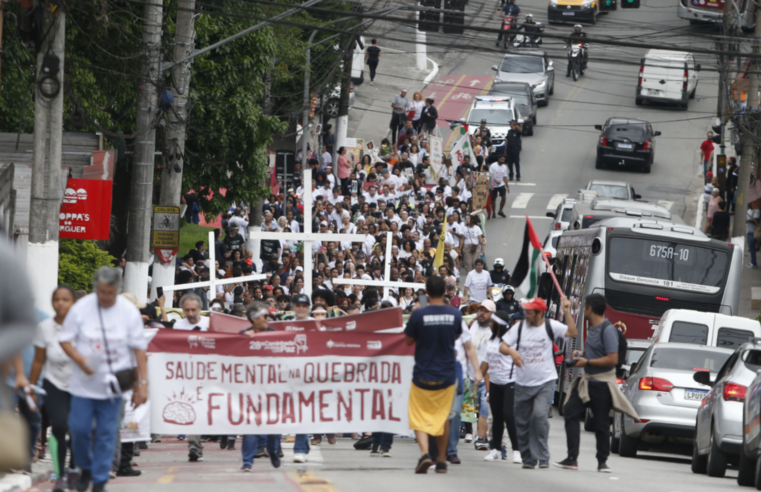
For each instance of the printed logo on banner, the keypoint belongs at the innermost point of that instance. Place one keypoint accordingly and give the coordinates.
(297, 345)
(204, 342)
(374, 344)
(72, 196)
(332, 344)
(351, 325)
(295, 328)
(179, 410)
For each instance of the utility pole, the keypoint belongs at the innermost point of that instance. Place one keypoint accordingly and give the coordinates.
(140, 210)
(176, 131)
(342, 122)
(750, 126)
(47, 193)
(1, 41)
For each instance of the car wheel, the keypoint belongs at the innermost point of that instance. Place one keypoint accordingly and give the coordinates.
(530, 132)
(543, 103)
(746, 470)
(699, 462)
(717, 459)
(757, 476)
(638, 101)
(534, 120)
(647, 168)
(598, 164)
(331, 108)
(552, 89)
(589, 424)
(627, 448)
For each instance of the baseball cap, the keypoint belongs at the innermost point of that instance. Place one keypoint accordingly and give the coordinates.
(483, 120)
(301, 299)
(489, 305)
(536, 303)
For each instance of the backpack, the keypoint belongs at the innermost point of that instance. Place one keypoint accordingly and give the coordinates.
(621, 344)
(550, 336)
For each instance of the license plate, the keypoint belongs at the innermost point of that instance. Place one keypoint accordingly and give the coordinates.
(653, 92)
(568, 13)
(625, 146)
(697, 395)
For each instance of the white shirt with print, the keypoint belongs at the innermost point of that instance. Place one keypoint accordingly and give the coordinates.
(537, 352)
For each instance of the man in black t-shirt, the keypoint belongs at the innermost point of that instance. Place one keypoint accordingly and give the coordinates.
(372, 57)
(720, 223)
(235, 242)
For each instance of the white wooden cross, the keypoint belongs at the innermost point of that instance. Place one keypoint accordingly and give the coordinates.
(213, 282)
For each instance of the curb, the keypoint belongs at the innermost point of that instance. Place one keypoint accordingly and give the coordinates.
(10, 482)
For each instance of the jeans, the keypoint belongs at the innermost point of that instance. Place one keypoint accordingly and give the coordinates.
(302, 444)
(383, 439)
(513, 158)
(752, 248)
(33, 420)
(373, 66)
(705, 167)
(454, 424)
(94, 455)
(502, 402)
(532, 404)
(251, 444)
(601, 403)
(483, 409)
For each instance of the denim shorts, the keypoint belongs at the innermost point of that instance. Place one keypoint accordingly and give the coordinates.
(483, 410)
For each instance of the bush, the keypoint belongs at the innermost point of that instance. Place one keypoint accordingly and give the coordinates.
(78, 259)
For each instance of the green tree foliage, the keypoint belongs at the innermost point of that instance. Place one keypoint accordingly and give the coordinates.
(77, 262)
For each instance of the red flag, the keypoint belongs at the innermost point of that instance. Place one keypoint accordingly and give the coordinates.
(274, 184)
(488, 205)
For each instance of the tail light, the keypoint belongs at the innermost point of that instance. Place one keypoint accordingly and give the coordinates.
(604, 141)
(641, 69)
(655, 384)
(619, 381)
(684, 82)
(646, 145)
(557, 225)
(734, 392)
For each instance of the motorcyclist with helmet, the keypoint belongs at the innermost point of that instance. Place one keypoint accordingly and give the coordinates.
(508, 302)
(578, 36)
(499, 275)
(532, 29)
(509, 9)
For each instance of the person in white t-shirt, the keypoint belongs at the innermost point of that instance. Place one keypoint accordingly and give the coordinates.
(191, 307)
(103, 334)
(499, 186)
(530, 344)
(480, 332)
(464, 352)
(478, 283)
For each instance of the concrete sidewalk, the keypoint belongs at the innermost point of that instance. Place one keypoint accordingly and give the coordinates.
(21, 481)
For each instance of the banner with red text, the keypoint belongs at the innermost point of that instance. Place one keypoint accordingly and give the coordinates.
(279, 382)
(372, 321)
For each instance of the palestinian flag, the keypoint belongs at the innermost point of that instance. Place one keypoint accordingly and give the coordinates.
(525, 274)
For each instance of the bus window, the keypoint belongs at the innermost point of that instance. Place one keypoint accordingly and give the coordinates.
(732, 337)
(684, 332)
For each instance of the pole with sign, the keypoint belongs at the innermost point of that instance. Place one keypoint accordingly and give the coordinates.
(165, 237)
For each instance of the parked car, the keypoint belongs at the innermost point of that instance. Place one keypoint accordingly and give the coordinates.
(662, 390)
(612, 189)
(719, 425)
(749, 473)
(523, 98)
(333, 104)
(531, 66)
(626, 142)
(667, 76)
(714, 329)
(564, 216)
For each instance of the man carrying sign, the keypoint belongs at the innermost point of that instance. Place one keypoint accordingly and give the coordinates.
(433, 330)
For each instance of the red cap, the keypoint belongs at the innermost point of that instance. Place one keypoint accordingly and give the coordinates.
(269, 287)
(535, 303)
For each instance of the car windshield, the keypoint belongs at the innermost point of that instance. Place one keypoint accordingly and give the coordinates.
(688, 359)
(633, 355)
(610, 191)
(522, 64)
(518, 97)
(494, 117)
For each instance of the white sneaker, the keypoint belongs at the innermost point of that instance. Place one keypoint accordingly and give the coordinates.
(494, 455)
(751, 265)
(468, 437)
(517, 457)
(299, 458)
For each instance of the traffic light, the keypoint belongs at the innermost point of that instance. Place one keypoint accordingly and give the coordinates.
(429, 21)
(629, 4)
(454, 23)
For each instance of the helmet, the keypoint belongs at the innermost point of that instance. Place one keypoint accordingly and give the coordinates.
(529, 17)
(577, 27)
(500, 262)
(508, 289)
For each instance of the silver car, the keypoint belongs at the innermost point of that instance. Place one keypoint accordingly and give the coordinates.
(612, 189)
(662, 390)
(531, 66)
(719, 428)
(564, 216)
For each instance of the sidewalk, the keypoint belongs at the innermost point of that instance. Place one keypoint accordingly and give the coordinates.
(40, 475)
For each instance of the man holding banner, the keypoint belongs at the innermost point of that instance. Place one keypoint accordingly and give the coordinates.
(433, 330)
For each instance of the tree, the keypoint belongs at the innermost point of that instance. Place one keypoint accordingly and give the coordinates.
(78, 259)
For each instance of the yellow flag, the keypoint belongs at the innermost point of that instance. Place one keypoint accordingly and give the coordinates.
(438, 259)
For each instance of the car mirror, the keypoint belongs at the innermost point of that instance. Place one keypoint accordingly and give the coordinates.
(494, 67)
(703, 377)
(598, 127)
(551, 214)
(637, 197)
(550, 67)
(656, 134)
(697, 67)
(550, 64)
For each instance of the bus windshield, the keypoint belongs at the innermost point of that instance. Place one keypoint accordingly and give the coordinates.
(667, 264)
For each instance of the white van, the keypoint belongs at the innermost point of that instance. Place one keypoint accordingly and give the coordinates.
(713, 329)
(358, 63)
(667, 76)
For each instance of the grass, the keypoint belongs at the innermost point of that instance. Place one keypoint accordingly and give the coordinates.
(190, 234)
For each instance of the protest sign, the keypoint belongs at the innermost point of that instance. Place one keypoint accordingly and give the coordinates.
(279, 382)
(480, 190)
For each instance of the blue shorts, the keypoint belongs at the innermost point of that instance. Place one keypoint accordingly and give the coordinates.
(483, 410)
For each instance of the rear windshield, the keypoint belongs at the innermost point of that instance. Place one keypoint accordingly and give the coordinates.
(588, 220)
(684, 332)
(633, 355)
(555, 241)
(518, 97)
(752, 359)
(684, 359)
(610, 191)
(636, 133)
(567, 214)
(732, 337)
(523, 64)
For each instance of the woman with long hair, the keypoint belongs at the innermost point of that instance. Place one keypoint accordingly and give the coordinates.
(417, 106)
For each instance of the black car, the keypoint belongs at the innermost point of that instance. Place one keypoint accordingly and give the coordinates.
(626, 142)
(525, 101)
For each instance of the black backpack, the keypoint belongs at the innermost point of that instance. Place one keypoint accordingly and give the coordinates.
(621, 344)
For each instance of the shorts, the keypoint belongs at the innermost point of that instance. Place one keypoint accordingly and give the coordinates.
(501, 191)
(483, 405)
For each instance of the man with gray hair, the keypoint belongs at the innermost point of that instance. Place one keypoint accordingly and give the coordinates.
(102, 334)
(191, 306)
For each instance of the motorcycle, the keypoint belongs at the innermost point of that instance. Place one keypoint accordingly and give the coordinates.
(576, 60)
(508, 29)
(529, 39)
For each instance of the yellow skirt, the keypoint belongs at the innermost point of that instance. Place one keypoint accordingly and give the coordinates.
(429, 409)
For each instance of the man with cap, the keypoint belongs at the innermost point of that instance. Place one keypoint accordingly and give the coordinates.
(301, 304)
(530, 344)
(398, 116)
(484, 133)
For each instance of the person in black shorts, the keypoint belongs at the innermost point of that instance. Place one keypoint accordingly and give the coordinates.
(372, 57)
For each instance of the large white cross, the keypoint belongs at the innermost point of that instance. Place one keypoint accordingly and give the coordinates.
(213, 282)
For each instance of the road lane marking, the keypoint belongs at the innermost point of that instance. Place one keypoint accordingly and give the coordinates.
(309, 482)
(666, 204)
(555, 200)
(454, 86)
(454, 136)
(532, 217)
(521, 201)
(169, 477)
(518, 183)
